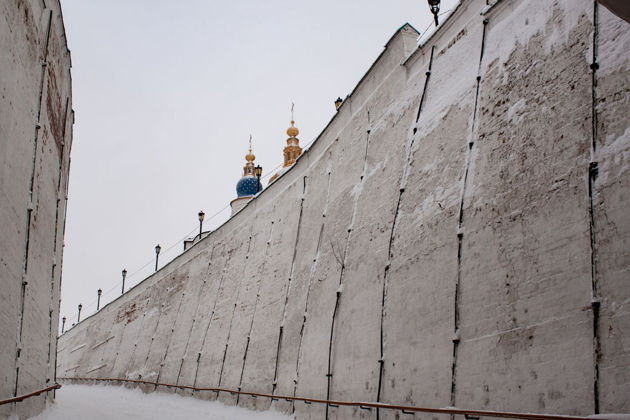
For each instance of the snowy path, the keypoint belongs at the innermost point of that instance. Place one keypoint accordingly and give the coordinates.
(98, 402)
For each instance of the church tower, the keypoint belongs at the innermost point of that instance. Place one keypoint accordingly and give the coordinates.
(249, 185)
(292, 150)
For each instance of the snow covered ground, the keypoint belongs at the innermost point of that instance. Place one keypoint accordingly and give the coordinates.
(98, 402)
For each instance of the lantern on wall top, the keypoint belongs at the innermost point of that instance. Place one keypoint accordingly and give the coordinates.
(124, 276)
(434, 5)
(158, 248)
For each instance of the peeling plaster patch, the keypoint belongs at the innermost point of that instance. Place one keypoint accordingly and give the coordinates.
(515, 111)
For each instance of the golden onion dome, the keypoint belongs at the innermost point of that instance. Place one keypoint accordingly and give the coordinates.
(293, 131)
(250, 157)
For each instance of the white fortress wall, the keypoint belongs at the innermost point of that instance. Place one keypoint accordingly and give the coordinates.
(611, 202)
(448, 240)
(36, 120)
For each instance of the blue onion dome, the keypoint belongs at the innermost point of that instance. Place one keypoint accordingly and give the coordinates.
(248, 185)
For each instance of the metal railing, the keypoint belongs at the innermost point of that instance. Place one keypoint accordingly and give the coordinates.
(32, 394)
(363, 405)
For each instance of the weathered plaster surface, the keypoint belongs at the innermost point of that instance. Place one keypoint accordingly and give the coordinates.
(445, 241)
(35, 139)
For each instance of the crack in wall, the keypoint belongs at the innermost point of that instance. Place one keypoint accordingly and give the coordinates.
(238, 292)
(214, 306)
(288, 288)
(592, 177)
(65, 206)
(55, 364)
(55, 240)
(50, 312)
(195, 315)
(29, 210)
(381, 360)
(39, 105)
(251, 324)
(342, 261)
(63, 232)
(59, 177)
(157, 325)
(310, 282)
(460, 226)
(402, 184)
(424, 92)
(170, 338)
(173, 331)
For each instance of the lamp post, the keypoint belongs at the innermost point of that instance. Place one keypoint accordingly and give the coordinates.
(258, 172)
(79, 316)
(338, 103)
(201, 216)
(63, 324)
(98, 299)
(158, 248)
(124, 275)
(434, 5)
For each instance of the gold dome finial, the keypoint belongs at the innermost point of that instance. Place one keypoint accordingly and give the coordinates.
(293, 131)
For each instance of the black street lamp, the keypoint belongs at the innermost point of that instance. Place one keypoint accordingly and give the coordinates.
(258, 172)
(63, 324)
(158, 248)
(79, 316)
(98, 299)
(124, 275)
(434, 5)
(201, 216)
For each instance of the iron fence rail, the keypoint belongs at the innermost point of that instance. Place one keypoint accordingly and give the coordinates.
(361, 404)
(32, 394)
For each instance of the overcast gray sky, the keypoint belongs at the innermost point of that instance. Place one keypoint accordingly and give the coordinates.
(166, 94)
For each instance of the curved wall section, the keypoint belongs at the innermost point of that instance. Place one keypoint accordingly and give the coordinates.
(35, 139)
(455, 237)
